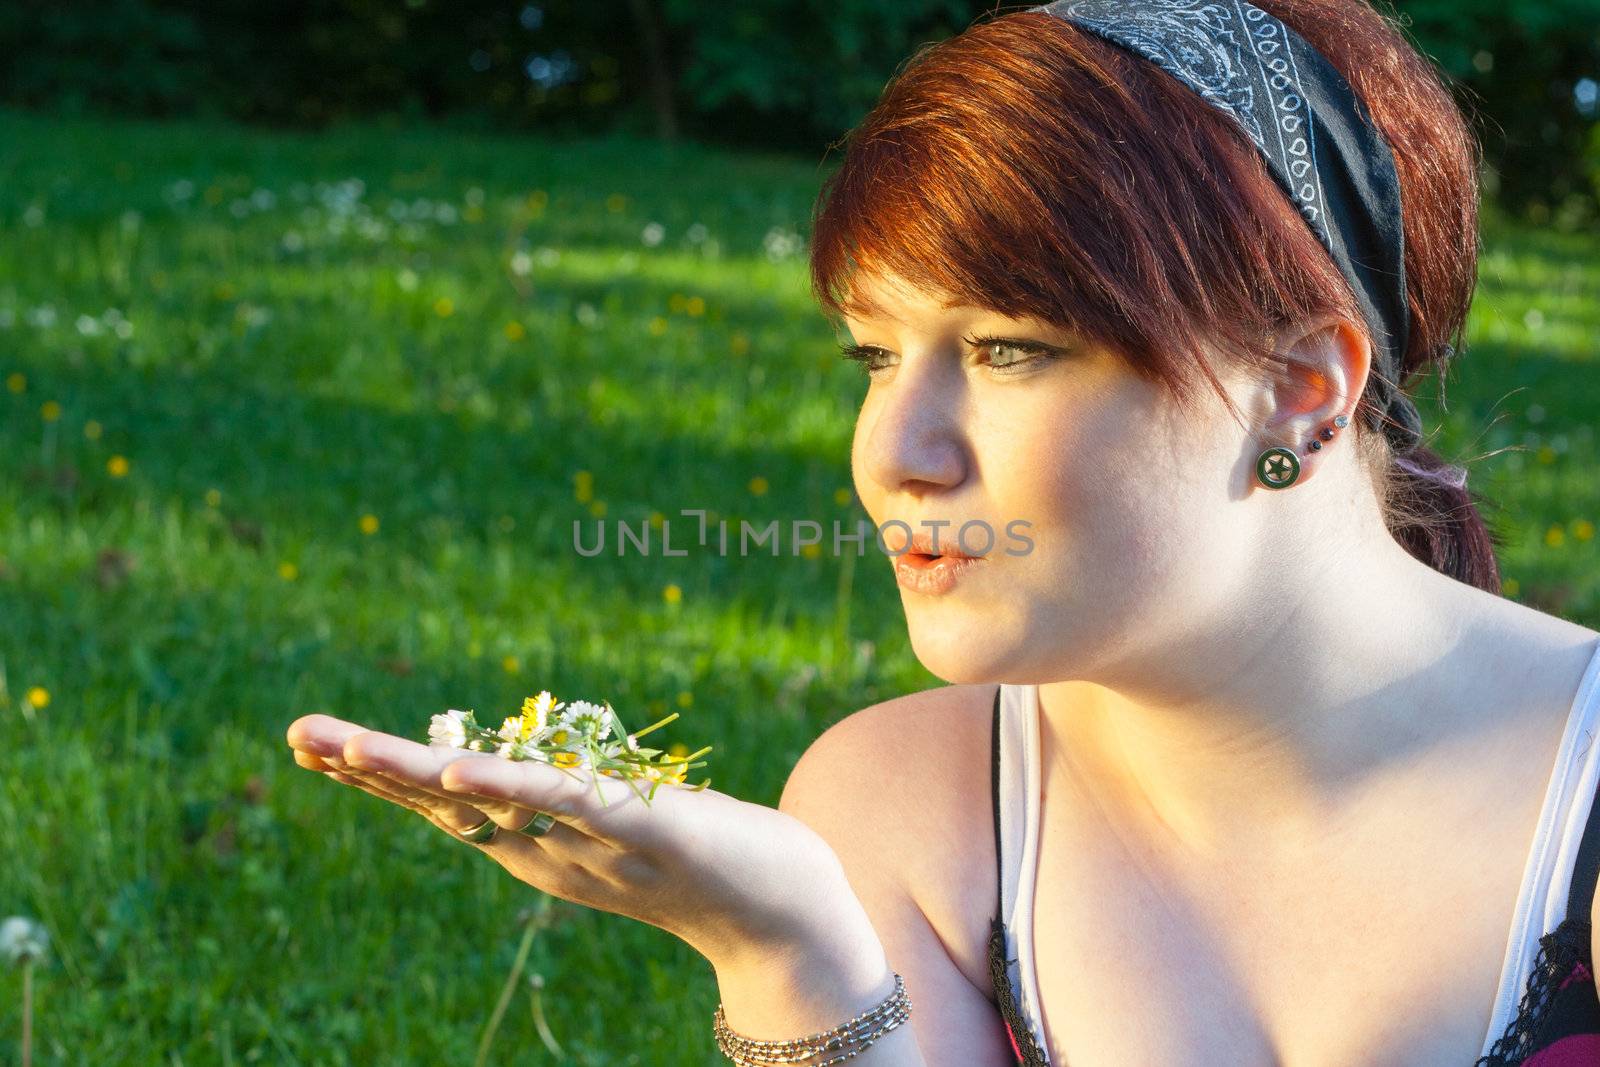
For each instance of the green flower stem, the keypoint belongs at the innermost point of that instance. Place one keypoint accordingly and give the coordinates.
(27, 1012)
(535, 991)
(640, 733)
(529, 927)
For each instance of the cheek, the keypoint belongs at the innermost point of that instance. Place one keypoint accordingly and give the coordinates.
(1102, 494)
(867, 491)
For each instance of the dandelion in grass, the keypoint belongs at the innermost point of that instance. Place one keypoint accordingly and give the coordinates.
(572, 735)
(23, 944)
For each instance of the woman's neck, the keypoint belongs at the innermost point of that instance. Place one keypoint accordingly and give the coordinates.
(1262, 727)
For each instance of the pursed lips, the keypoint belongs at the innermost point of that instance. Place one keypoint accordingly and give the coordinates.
(922, 544)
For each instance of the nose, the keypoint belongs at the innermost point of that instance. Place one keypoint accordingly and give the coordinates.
(914, 442)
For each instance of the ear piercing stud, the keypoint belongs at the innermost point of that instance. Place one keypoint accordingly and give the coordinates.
(1278, 467)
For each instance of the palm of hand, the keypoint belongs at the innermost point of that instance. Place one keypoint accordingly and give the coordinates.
(717, 872)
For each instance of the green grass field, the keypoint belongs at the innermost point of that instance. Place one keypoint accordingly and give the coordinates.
(299, 423)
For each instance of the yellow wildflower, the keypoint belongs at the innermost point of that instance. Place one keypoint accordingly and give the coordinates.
(369, 524)
(117, 466)
(50, 411)
(38, 696)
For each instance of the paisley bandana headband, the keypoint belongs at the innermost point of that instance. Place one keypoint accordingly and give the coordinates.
(1314, 135)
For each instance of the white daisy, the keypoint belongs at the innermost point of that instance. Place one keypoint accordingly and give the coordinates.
(586, 717)
(540, 708)
(449, 729)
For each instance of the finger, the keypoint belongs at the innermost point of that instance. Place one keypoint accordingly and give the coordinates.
(431, 790)
(310, 762)
(345, 778)
(530, 785)
(414, 770)
(322, 735)
(451, 822)
(455, 814)
(458, 819)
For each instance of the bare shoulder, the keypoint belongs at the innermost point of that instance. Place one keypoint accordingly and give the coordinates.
(902, 791)
(912, 773)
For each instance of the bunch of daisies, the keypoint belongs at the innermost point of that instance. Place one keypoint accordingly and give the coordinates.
(575, 735)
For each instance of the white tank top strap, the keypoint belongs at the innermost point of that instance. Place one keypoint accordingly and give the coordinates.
(1547, 875)
(1017, 770)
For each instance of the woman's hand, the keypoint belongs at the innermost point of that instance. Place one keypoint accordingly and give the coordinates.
(746, 886)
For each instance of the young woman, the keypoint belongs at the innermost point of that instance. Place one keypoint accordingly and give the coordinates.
(1245, 759)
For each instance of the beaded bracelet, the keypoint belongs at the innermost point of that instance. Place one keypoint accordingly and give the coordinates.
(856, 1035)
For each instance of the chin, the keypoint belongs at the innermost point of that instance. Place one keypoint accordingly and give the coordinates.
(951, 654)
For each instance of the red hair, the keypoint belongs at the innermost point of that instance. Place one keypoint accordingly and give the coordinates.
(1036, 169)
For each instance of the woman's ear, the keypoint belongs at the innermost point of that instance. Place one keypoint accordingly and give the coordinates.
(1326, 362)
(1309, 403)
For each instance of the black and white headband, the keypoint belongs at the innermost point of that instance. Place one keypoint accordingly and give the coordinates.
(1314, 134)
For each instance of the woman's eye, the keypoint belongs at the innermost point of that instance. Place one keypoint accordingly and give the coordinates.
(1003, 354)
(869, 357)
(1006, 353)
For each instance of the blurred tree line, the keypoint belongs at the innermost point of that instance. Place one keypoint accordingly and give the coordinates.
(782, 74)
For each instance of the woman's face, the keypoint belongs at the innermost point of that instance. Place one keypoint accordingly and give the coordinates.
(1108, 511)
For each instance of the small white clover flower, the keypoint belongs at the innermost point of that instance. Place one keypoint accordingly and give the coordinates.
(22, 940)
(449, 729)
